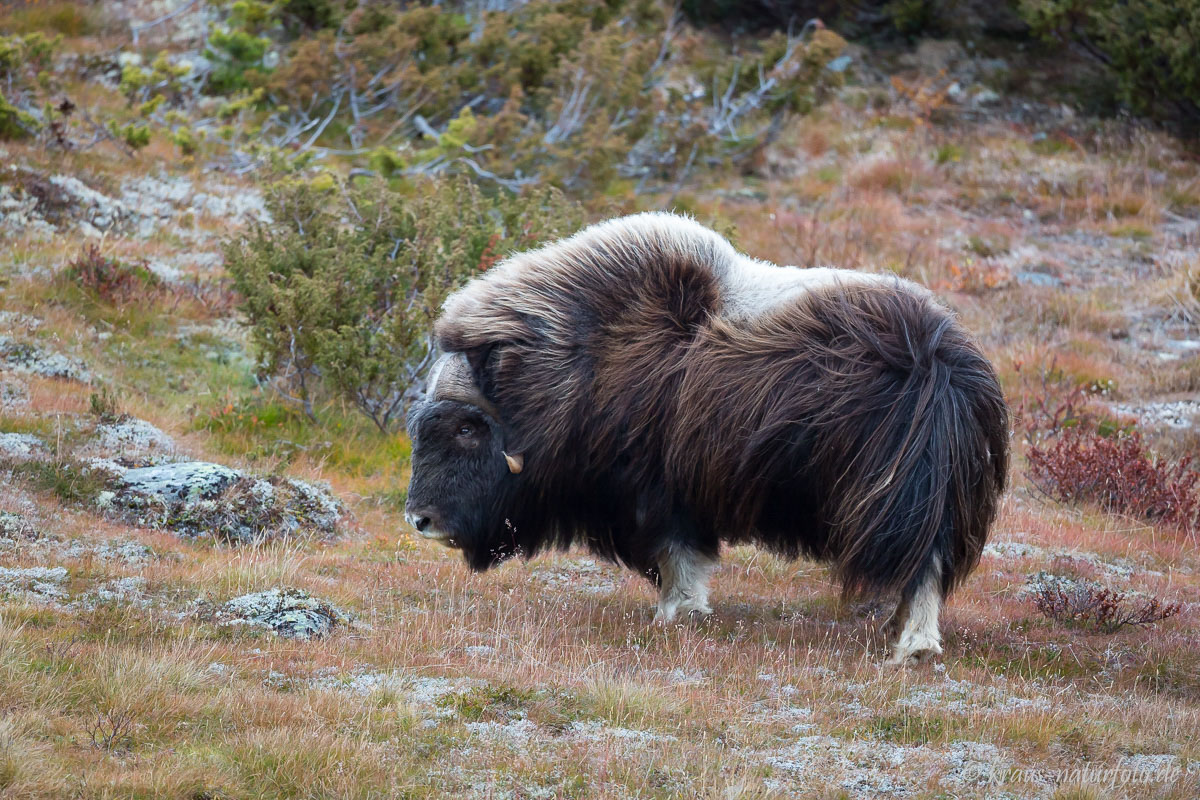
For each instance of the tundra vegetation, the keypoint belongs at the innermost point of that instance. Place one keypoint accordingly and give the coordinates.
(225, 227)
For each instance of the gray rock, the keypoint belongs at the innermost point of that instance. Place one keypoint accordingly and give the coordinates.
(182, 482)
(129, 436)
(196, 498)
(985, 97)
(1038, 279)
(839, 64)
(293, 613)
(33, 359)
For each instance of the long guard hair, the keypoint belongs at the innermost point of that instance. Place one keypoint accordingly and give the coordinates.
(658, 381)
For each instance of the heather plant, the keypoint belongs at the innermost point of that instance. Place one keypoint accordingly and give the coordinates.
(1119, 474)
(341, 291)
(1091, 605)
(109, 279)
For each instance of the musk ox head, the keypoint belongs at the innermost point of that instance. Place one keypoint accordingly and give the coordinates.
(461, 473)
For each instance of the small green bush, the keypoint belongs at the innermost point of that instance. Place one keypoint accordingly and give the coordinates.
(341, 291)
(1151, 47)
(15, 123)
(237, 58)
(22, 60)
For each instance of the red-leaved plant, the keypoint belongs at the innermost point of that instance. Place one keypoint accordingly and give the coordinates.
(1118, 474)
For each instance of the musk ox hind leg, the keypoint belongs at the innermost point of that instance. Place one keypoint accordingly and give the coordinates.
(913, 629)
(683, 574)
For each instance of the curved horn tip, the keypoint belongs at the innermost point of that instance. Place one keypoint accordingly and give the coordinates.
(435, 372)
(515, 462)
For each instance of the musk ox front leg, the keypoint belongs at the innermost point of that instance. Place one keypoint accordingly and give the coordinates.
(683, 575)
(915, 623)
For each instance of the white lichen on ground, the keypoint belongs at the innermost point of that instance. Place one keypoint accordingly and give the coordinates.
(962, 696)
(39, 584)
(293, 613)
(22, 447)
(1177, 414)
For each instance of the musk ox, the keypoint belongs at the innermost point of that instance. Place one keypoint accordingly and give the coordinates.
(646, 391)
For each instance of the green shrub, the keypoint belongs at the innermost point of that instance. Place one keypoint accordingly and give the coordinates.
(23, 59)
(15, 123)
(237, 58)
(1150, 46)
(583, 94)
(864, 17)
(341, 291)
(134, 136)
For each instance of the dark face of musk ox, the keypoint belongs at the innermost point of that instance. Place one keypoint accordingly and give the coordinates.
(459, 475)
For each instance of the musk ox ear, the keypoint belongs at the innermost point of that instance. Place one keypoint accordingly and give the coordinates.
(516, 462)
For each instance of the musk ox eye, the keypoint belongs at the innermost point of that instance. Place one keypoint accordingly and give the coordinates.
(466, 430)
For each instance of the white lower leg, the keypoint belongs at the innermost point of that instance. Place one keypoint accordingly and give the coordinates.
(683, 583)
(920, 638)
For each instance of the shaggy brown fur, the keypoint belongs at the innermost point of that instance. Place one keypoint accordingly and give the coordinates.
(668, 393)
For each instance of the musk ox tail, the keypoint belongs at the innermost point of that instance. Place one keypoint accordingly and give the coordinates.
(916, 443)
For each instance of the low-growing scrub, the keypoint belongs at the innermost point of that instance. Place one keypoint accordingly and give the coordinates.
(111, 280)
(1119, 474)
(1089, 604)
(1149, 46)
(341, 293)
(1050, 402)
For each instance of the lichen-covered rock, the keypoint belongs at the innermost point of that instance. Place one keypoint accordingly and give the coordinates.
(182, 482)
(31, 358)
(123, 551)
(19, 213)
(21, 447)
(132, 437)
(196, 498)
(163, 199)
(288, 612)
(97, 210)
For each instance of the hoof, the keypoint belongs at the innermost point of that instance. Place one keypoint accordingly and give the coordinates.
(667, 614)
(915, 651)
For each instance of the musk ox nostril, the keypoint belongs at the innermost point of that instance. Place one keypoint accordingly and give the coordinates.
(418, 521)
